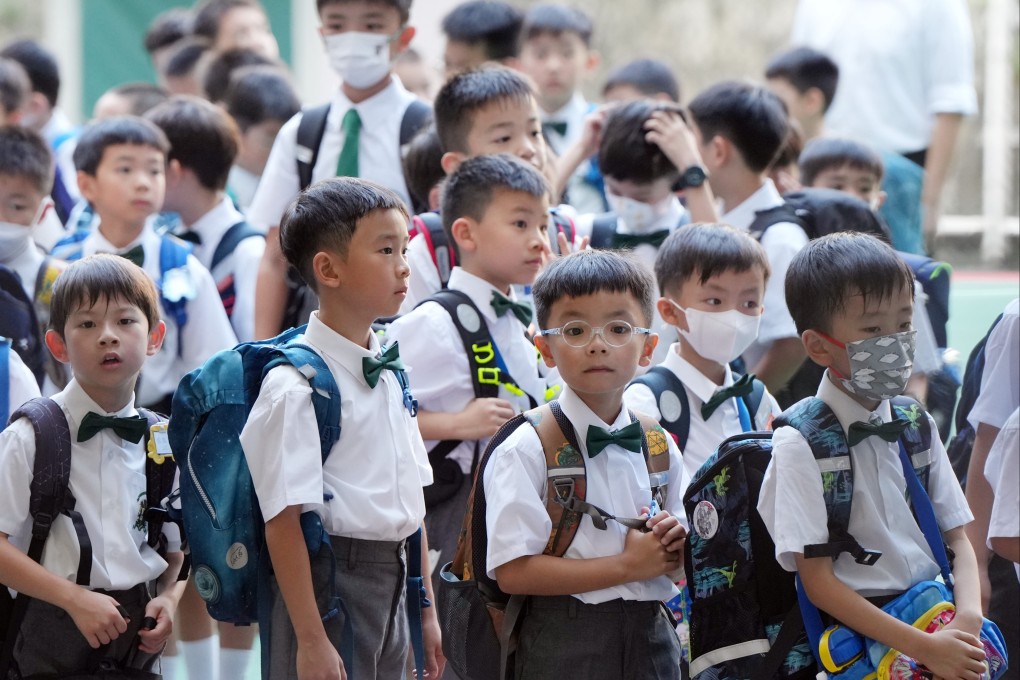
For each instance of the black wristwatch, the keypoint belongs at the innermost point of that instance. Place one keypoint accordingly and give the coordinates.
(691, 178)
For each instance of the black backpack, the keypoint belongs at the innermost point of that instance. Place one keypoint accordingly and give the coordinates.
(19, 323)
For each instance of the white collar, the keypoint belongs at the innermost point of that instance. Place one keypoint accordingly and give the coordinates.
(479, 290)
(693, 379)
(347, 354)
(669, 220)
(741, 216)
(215, 223)
(846, 409)
(570, 112)
(580, 416)
(77, 403)
(380, 105)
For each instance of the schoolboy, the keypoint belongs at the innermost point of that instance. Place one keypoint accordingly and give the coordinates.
(234, 24)
(805, 79)
(495, 208)
(362, 133)
(850, 293)
(105, 324)
(605, 593)
(121, 172)
(712, 280)
(203, 145)
(556, 53)
(844, 165)
(480, 31)
(641, 79)
(346, 237)
(423, 169)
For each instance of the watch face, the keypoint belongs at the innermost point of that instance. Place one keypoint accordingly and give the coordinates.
(694, 176)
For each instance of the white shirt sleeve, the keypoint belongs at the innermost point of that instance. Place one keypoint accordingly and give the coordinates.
(640, 398)
(781, 242)
(1002, 470)
(247, 257)
(1000, 381)
(17, 455)
(949, 57)
(279, 184)
(22, 384)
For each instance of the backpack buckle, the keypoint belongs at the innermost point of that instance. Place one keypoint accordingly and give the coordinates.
(866, 557)
(41, 525)
(564, 488)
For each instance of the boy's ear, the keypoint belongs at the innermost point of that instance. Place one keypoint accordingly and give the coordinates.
(593, 61)
(542, 345)
(814, 101)
(156, 336)
(328, 269)
(670, 314)
(720, 151)
(86, 185)
(57, 347)
(880, 201)
(464, 232)
(405, 38)
(818, 349)
(651, 342)
(174, 171)
(451, 160)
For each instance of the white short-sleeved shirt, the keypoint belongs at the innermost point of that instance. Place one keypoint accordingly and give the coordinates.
(900, 63)
(21, 384)
(781, 242)
(241, 266)
(583, 196)
(518, 523)
(370, 486)
(1002, 470)
(107, 480)
(1000, 381)
(242, 184)
(793, 509)
(206, 332)
(705, 435)
(438, 365)
(378, 152)
(927, 357)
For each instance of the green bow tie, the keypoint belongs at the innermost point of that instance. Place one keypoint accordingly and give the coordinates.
(631, 241)
(890, 431)
(131, 428)
(628, 437)
(741, 388)
(502, 304)
(389, 360)
(557, 126)
(136, 255)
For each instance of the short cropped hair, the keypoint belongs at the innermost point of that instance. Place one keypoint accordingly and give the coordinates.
(220, 69)
(647, 76)
(826, 153)
(470, 190)
(324, 217)
(704, 251)
(591, 271)
(494, 24)
(102, 276)
(167, 28)
(257, 94)
(423, 167)
(185, 55)
(141, 96)
(40, 65)
(210, 13)
(751, 117)
(24, 153)
(97, 136)
(14, 85)
(804, 68)
(624, 153)
(203, 137)
(463, 95)
(556, 19)
(830, 270)
(403, 7)
(792, 147)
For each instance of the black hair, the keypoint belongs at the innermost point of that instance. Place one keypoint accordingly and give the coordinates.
(751, 117)
(141, 96)
(494, 24)
(14, 85)
(588, 272)
(556, 19)
(185, 55)
(203, 137)
(423, 167)
(24, 153)
(647, 76)
(220, 69)
(167, 28)
(830, 270)
(826, 153)
(324, 217)
(403, 7)
(98, 135)
(804, 68)
(210, 13)
(624, 153)
(792, 147)
(260, 93)
(470, 190)
(463, 95)
(103, 275)
(707, 250)
(40, 66)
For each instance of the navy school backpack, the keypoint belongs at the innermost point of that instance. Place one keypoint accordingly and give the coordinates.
(19, 323)
(745, 619)
(478, 620)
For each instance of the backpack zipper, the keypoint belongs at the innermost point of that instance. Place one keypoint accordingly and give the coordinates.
(198, 485)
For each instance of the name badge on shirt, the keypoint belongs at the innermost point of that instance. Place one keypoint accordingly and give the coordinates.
(159, 443)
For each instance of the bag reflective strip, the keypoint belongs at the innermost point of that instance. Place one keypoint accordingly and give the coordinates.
(724, 654)
(922, 459)
(833, 464)
(553, 473)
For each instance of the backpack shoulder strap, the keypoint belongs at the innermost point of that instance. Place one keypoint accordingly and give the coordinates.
(444, 255)
(310, 130)
(763, 219)
(160, 470)
(603, 229)
(416, 116)
(5, 380)
(69, 248)
(563, 225)
(566, 478)
(231, 239)
(478, 344)
(671, 398)
(916, 437)
(656, 452)
(758, 406)
(325, 391)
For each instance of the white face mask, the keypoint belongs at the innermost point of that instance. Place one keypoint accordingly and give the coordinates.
(719, 336)
(16, 238)
(638, 216)
(360, 59)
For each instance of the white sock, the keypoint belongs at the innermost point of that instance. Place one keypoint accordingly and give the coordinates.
(234, 663)
(168, 666)
(200, 657)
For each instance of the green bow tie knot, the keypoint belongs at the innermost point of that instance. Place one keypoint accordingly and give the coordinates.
(889, 432)
(135, 255)
(598, 438)
(130, 428)
(373, 367)
(741, 388)
(502, 304)
(557, 126)
(631, 241)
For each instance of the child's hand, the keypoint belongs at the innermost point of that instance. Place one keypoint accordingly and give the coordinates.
(668, 131)
(435, 662)
(591, 132)
(646, 556)
(953, 654)
(162, 610)
(97, 617)
(319, 660)
(566, 247)
(669, 530)
(484, 416)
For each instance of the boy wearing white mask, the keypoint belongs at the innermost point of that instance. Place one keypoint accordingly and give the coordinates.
(712, 280)
(361, 137)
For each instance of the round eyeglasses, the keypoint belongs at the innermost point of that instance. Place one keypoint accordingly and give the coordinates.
(579, 333)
